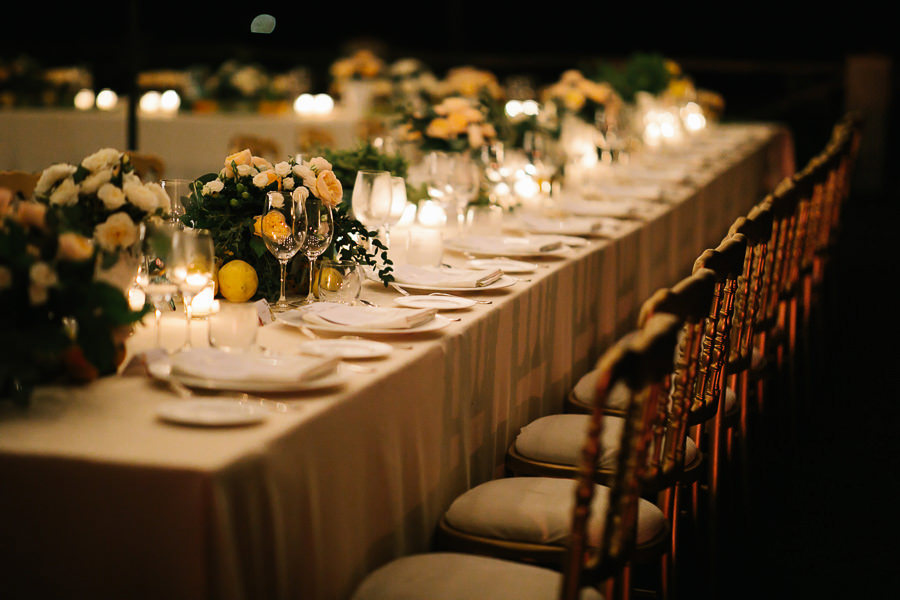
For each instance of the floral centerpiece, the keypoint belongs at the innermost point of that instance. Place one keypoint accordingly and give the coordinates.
(412, 85)
(456, 124)
(469, 82)
(229, 205)
(359, 80)
(58, 319)
(234, 86)
(575, 94)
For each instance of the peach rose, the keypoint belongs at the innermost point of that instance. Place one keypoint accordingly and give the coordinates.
(6, 198)
(328, 188)
(244, 157)
(439, 128)
(75, 247)
(31, 214)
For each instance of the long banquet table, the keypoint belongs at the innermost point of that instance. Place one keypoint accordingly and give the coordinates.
(98, 498)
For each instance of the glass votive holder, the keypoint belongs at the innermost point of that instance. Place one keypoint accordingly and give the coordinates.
(426, 247)
(339, 281)
(234, 327)
(484, 219)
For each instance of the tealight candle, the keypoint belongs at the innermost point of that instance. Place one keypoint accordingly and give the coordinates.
(136, 298)
(204, 303)
(84, 99)
(169, 102)
(425, 247)
(107, 99)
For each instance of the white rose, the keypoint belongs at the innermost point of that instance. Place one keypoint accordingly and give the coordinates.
(42, 274)
(300, 195)
(276, 200)
(263, 179)
(319, 164)
(244, 170)
(65, 194)
(118, 231)
(304, 172)
(140, 196)
(213, 187)
(162, 198)
(5, 278)
(102, 159)
(131, 178)
(92, 182)
(287, 183)
(283, 169)
(111, 196)
(51, 175)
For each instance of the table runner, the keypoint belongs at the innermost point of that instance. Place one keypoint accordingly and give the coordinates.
(98, 498)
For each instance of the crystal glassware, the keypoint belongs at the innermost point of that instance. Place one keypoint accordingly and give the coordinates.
(179, 191)
(234, 326)
(319, 231)
(283, 227)
(157, 238)
(192, 265)
(339, 281)
(372, 198)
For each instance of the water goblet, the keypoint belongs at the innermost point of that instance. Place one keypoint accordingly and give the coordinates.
(319, 231)
(283, 230)
(192, 264)
(371, 199)
(339, 281)
(234, 326)
(157, 237)
(179, 191)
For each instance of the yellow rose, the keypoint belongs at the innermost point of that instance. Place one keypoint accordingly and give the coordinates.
(438, 128)
(673, 68)
(75, 247)
(328, 188)
(457, 123)
(260, 163)
(573, 99)
(342, 69)
(244, 157)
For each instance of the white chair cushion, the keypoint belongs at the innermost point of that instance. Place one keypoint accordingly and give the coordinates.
(451, 576)
(585, 390)
(538, 510)
(559, 438)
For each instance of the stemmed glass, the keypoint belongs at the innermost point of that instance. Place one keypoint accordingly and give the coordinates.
(177, 190)
(398, 207)
(284, 231)
(192, 263)
(157, 238)
(319, 231)
(437, 176)
(465, 177)
(372, 198)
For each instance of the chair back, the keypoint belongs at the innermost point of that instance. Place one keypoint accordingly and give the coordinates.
(20, 183)
(149, 167)
(641, 361)
(727, 262)
(690, 301)
(260, 146)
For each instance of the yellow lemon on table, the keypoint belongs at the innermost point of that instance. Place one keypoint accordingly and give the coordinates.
(237, 281)
(330, 279)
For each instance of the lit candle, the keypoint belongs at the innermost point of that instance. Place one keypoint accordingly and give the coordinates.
(136, 298)
(149, 102)
(84, 99)
(425, 246)
(204, 303)
(107, 99)
(169, 102)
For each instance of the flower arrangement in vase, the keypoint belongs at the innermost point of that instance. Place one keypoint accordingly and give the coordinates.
(456, 124)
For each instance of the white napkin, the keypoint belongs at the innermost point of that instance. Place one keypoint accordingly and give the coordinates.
(563, 225)
(433, 276)
(624, 208)
(640, 191)
(212, 363)
(501, 244)
(367, 317)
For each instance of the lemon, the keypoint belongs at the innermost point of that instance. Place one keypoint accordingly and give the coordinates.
(237, 281)
(330, 279)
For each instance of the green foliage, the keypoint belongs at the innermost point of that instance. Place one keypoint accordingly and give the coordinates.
(641, 73)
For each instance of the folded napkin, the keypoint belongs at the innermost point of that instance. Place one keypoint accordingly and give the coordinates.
(501, 244)
(432, 276)
(368, 317)
(622, 209)
(564, 225)
(640, 191)
(212, 363)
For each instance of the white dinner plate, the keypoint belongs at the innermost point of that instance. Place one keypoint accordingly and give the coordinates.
(438, 302)
(504, 264)
(346, 348)
(295, 319)
(505, 281)
(162, 370)
(211, 412)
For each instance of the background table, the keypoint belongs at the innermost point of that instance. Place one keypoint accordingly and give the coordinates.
(99, 499)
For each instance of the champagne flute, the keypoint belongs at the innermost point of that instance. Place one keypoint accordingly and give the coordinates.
(283, 230)
(178, 190)
(319, 231)
(193, 258)
(157, 238)
(371, 199)
(465, 178)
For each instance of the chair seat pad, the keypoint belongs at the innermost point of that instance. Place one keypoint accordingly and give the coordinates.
(586, 388)
(452, 576)
(558, 439)
(538, 510)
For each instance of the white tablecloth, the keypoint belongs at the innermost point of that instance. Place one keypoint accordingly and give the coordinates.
(100, 499)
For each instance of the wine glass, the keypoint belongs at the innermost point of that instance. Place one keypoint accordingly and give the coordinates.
(371, 200)
(283, 229)
(192, 264)
(178, 190)
(398, 207)
(437, 175)
(464, 180)
(157, 238)
(319, 231)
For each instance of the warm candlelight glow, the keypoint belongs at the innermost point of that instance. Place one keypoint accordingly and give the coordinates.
(204, 303)
(170, 101)
(304, 104)
(136, 298)
(84, 99)
(107, 99)
(323, 104)
(149, 102)
(431, 214)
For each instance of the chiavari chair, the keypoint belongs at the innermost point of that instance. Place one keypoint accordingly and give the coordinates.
(599, 527)
(149, 167)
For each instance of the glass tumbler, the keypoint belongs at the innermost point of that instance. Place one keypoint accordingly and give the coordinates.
(339, 281)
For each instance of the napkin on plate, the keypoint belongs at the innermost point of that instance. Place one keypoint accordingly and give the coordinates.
(432, 276)
(212, 363)
(641, 191)
(564, 225)
(501, 244)
(368, 317)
